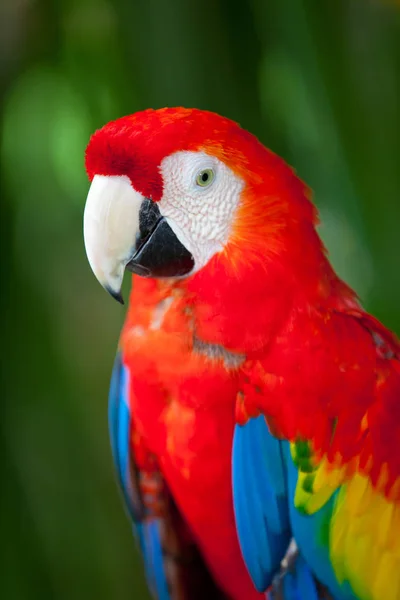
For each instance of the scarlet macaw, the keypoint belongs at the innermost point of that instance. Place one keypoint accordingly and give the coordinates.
(252, 399)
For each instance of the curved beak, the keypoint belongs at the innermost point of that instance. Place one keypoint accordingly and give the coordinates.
(122, 229)
(110, 224)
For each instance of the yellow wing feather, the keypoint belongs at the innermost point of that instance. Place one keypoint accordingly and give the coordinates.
(364, 531)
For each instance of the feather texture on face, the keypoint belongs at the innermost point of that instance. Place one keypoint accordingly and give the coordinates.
(252, 230)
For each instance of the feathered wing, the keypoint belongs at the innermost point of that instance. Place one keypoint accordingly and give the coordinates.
(354, 504)
(342, 460)
(173, 564)
(261, 502)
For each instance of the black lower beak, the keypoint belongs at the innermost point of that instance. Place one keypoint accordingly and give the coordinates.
(159, 253)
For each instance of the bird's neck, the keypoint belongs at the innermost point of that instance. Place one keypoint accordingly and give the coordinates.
(244, 313)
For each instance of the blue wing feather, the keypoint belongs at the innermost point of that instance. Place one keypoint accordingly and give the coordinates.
(149, 535)
(295, 583)
(260, 500)
(304, 581)
(146, 530)
(262, 490)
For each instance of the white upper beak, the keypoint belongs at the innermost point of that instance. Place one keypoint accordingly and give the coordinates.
(110, 224)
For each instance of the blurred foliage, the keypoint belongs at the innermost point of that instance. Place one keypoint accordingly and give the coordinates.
(319, 82)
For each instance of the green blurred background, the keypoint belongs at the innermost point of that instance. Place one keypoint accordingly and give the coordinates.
(319, 82)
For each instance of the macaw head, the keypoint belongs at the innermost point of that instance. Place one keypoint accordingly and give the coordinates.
(174, 190)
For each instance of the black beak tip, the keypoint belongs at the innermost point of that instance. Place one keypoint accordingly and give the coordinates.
(116, 295)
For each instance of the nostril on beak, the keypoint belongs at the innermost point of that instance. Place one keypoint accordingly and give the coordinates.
(149, 215)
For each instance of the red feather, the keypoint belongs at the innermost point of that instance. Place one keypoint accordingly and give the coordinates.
(316, 364)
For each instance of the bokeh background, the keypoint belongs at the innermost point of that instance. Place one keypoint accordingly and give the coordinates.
(319, 82)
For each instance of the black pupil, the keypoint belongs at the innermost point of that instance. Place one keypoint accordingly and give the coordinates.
(204, 177)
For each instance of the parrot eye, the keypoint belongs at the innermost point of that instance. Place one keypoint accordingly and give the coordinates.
(205, 177)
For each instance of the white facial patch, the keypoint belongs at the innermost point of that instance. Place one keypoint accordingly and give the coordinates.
(201, 216)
